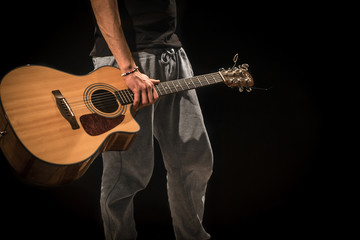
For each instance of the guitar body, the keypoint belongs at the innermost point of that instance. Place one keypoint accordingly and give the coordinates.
(55, 124)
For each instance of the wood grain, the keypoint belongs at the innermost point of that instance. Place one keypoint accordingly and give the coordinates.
(41, 135)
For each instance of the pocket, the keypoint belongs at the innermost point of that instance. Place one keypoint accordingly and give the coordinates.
(99, 62)
(185, 65)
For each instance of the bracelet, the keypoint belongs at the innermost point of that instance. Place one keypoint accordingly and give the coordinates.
(132, 71)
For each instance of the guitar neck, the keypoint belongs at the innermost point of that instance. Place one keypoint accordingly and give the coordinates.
(174, 86)
(169, 87)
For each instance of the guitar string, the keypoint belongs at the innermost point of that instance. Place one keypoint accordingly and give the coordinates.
(172, 87)
(105, 99)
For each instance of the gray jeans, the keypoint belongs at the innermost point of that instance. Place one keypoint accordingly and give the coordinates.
(177, 123)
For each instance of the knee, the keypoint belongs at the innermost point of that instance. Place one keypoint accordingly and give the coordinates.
(201, 158)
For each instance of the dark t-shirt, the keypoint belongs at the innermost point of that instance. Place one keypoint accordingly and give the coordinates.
(146, 24)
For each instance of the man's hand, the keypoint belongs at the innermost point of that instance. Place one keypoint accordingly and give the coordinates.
(143, 88)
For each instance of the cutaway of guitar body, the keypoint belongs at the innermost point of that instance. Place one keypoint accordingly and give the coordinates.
(40, 143)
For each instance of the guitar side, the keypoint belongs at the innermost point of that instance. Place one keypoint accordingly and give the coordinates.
(53, 123)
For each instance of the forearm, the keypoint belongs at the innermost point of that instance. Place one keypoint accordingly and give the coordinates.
(108, 19)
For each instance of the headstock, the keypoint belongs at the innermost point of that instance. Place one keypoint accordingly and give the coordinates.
(238, 76)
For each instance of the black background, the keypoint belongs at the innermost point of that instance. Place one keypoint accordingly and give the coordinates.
(271, 175)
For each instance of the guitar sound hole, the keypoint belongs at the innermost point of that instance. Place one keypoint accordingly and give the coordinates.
(104, 101)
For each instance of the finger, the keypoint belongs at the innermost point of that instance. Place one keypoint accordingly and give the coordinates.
(136, 99)
(144, 97)
(153, 90)
(149, 90)
(155, 94)
(154, 81)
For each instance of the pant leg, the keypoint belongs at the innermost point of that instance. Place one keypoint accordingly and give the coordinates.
(124, 174)
(186, 149)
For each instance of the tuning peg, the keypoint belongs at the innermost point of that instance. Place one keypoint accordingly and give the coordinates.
(221, 69)
(248, 89)
(241, 89)
(244, 66)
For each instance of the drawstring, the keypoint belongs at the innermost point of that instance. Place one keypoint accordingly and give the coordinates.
(167, 55)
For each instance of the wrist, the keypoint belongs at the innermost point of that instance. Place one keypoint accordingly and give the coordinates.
(130, 72)
(125, 63)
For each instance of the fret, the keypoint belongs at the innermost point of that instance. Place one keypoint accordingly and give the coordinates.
(119, 97)
(206, 80)
(212, 75)
(199, 81)
(174, 86)
(167, 86)
(186, 84)
(163, 87)
(203, 80)
(179, 83)
(218, 76)
(158, 90)
(131, 95)
(221, 79)
(193, 82)
(123, 96)
(126, 96)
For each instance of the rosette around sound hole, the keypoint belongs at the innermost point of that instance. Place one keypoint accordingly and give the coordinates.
(100, 98)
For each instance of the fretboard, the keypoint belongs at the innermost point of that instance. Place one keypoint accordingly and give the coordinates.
(165, 88)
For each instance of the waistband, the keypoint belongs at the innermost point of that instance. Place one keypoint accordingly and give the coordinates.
(155, 51)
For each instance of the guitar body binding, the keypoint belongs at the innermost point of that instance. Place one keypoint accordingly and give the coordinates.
(37, 139)
(54, 124)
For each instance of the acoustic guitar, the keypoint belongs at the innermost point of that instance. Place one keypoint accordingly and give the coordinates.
(54, 124)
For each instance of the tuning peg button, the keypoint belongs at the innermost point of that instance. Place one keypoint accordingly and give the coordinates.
(244, 66)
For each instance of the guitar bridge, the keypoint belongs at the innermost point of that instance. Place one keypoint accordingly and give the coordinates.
(65, 109)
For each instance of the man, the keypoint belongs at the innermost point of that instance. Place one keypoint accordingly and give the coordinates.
(138, 36)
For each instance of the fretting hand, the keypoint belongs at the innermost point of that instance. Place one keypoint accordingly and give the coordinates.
(143, 88)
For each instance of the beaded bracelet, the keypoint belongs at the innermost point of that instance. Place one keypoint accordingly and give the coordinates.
(132, 71)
